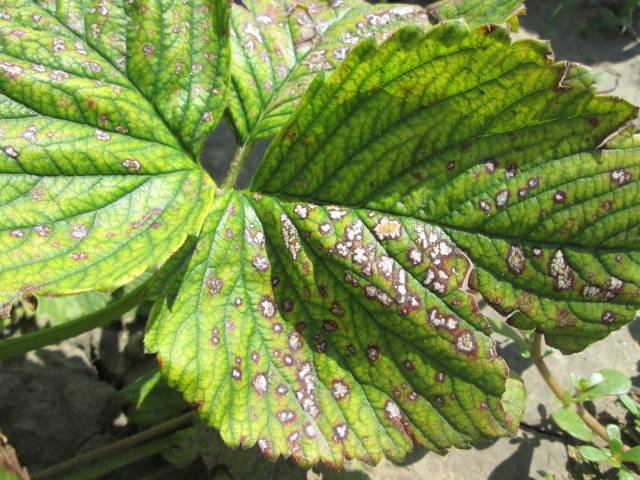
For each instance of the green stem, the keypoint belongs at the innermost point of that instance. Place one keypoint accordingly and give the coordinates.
(109, 464)
(116, 449)
(563, 395)
(241, 155)
(48, 336)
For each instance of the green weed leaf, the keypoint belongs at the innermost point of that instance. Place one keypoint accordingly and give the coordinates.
(103, 108)
(569, 421)
(278, 49)
(632, 455)
(615, 440)
(594, 454)
(630, 404)
(605, 382)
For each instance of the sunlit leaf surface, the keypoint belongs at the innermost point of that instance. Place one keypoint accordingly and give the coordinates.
(278, 48)
(103, 108)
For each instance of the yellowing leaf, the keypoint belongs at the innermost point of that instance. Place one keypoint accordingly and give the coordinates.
(97, 176)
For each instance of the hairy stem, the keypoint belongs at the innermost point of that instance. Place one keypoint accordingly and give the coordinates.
(48, 336)
(116, 449)
(241, 155)
(563, 395)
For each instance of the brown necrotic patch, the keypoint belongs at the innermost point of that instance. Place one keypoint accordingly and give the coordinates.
(212, 283)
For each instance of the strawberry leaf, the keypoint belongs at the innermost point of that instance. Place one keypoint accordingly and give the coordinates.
(475, 12)
(279, 48)
(283, 341)
(496, 145)
(98, 137)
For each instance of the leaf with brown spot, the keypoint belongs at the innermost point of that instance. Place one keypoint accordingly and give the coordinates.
(510, 168)
(98, 140)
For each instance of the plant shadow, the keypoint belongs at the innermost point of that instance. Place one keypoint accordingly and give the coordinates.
(573, 36)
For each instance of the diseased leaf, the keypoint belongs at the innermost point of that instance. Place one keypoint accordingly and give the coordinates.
(495, 144)
(175, 53)
(278, 48)
(97, 174)
(475, 12)
(284, 339)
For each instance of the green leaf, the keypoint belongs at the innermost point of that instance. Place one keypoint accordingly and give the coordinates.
(605, 382)
(152, 401)
(103, 108)
(328, 315)
(278, 49)
(626, 474)
(630, 404)
(282, 341)
(569, 421)
(59, 310)
(615, 440)
(632, 455)
(594, 454)
(495, 144)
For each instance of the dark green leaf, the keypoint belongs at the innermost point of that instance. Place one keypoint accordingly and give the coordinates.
(151, 400)
(59, 310)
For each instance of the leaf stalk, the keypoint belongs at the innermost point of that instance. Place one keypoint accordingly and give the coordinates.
(121, 448)
(241, 155)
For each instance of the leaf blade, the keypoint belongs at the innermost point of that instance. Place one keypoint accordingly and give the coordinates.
(97, 187)
(313, 381)
(504, 159)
